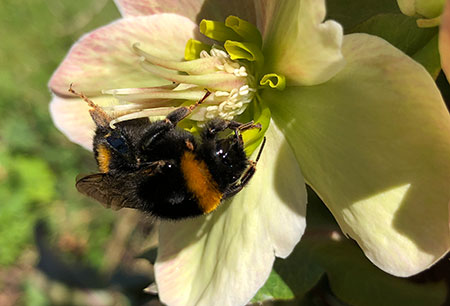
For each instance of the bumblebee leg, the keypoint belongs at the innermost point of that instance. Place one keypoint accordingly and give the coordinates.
(246, 177)
(248, 174)
(238, 129)
(219, 125)
(237, 126)
(214, 127)
(155, 167)
(182, 112)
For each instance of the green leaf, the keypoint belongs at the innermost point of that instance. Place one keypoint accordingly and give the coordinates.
(402, 32)
(399, 30)
(384, 19)
(429, 57)
(355, 280)
(350, 13)
(274, 289)
(300, 271)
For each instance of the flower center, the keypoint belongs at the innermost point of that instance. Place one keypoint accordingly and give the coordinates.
(231, 71)
(231, 85)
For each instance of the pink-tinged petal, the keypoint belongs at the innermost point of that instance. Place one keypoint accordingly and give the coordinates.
(444, 40)
(298, 43)
(104, 58)
(374, 142)
(196, 10)
(265, 10)
(71, 117)
(225, 257)
(187, 8)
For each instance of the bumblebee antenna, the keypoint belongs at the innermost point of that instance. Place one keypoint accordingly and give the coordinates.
(182, 112)
(82, 96)
(100, 117)
(191, 108)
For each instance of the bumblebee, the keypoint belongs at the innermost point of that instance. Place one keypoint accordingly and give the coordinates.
(161, 169)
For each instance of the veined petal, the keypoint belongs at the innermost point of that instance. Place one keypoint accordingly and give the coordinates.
(444, 40)
(196, 10)
(225, 257)
(71, 116)
(187, 8)
(104, 58)
(298, 44)
(375, 145)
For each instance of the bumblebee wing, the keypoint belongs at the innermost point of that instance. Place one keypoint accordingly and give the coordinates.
(106, 190)
(116, 192)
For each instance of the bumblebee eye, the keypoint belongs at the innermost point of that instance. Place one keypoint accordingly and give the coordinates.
(118, 143)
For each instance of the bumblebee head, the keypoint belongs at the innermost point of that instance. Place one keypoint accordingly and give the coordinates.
(112, 150)
(113, 145)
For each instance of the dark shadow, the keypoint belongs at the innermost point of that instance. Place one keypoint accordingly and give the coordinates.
(218, 9)
(80, 276)
(444, 88)
(150, 255)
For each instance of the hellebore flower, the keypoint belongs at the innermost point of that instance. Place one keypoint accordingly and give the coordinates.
(365, 124)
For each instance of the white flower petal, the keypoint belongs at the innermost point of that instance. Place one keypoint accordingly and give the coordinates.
(71, 116)
(297, 43)
(196, 10)
(374, 142)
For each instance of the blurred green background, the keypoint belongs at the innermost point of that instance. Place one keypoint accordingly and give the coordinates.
(60, 248)
(41, 213)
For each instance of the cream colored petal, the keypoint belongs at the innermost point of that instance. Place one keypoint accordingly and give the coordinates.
(374, 142)
(196, 10)
(71, 117)
(104, 58)
(225, 257)
(187, 8)
(297, 41)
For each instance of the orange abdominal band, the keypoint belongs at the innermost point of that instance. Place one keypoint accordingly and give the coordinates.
(200, 182)
(103, 158)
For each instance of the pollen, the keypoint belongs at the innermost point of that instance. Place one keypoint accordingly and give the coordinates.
(200, 182)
